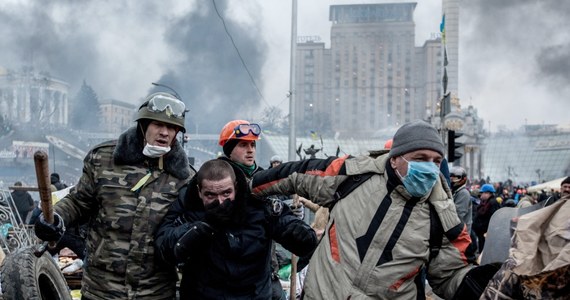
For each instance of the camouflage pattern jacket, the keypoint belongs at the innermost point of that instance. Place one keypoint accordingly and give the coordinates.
(120, 260)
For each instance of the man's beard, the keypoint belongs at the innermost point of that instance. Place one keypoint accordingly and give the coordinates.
(229, 213)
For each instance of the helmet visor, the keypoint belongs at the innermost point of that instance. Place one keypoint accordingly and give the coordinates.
(171, 106)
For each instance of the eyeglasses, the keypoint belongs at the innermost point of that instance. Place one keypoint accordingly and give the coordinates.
(172, 107)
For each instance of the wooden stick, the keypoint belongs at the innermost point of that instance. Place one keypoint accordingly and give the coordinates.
(44, 186)
(293, 278)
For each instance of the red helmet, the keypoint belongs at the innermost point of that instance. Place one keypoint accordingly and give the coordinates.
(239, 130)
(388, 144)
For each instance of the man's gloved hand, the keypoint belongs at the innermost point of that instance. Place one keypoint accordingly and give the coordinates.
(300, 238)
(198, 235)
(475, 281)
(49, 232)
(298, 210)
(300, 233)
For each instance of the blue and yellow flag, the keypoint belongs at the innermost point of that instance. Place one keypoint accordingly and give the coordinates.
(314, 135)
(442, 29)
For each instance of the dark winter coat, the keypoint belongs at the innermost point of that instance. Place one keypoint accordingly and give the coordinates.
(236, 263)
(484, 212)
(24, 203)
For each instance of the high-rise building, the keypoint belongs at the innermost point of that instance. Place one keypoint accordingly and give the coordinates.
(373, 77)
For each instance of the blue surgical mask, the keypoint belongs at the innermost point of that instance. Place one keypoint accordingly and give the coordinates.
(421, 177)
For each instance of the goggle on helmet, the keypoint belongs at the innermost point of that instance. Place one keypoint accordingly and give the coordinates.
(163, 107)
(240, 130)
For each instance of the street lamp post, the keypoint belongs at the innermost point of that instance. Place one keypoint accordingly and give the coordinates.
(292, 117)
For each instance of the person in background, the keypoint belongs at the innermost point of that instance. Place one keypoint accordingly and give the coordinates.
(55, 181)
(275, 161)
(487, 207)
(223, 236)
(388, 144)
(527, 200)
(238, 139)
(23, 202)
(565, 187)
(461, 196)
(125, 190)
(376, 241)
(463, 204)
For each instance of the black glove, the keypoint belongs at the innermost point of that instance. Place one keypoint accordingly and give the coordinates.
(49, 232)
(198, 235)
(302, 238)
(475, 281)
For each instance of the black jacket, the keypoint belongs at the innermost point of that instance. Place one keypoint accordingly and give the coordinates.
(24, 203)
(235, 263)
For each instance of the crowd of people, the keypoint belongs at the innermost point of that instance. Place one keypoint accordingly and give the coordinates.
(392, 219)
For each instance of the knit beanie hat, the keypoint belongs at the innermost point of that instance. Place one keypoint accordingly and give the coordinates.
(416, 135)
(229, 146)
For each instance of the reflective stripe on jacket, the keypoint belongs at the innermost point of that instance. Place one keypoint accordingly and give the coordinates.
(377, 238)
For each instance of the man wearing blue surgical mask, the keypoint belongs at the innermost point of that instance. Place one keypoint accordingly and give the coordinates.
(392, 216)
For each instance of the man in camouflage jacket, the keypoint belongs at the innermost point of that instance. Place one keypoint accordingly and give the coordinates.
(126, 188)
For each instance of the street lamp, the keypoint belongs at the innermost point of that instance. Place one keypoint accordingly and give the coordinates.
(453, 121)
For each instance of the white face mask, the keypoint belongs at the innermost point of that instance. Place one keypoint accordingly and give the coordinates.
(155, 151)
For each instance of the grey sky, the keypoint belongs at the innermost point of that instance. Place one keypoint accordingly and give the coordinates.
(514, 54)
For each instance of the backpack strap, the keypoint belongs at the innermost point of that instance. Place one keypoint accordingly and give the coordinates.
(436, 228)
(435, 233)
(349, 185)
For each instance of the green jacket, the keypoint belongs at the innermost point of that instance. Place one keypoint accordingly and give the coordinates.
(377, 238)
(120, 261)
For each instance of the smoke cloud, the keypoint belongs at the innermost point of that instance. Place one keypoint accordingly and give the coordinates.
(514, 54)
(514, 60)
(120, 47)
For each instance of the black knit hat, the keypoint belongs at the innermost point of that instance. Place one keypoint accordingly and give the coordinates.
(416, 135)
(567, 180)
(229, 146)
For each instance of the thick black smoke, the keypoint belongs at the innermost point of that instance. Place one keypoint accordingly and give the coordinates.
(120, 47)
(211, 78)
(31, 38)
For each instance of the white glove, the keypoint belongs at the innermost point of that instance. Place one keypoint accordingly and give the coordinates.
(298, 211)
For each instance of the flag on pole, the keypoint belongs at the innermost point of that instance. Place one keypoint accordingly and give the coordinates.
(444, 80)
(314, 135)
(442, 29)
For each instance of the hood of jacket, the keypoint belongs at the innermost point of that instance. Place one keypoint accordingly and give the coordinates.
(130, 147)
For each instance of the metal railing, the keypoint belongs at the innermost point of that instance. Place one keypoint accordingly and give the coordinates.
(14, 233)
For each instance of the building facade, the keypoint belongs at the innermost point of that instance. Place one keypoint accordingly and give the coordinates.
(372, 77)
(116, 116)
(31, 97)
